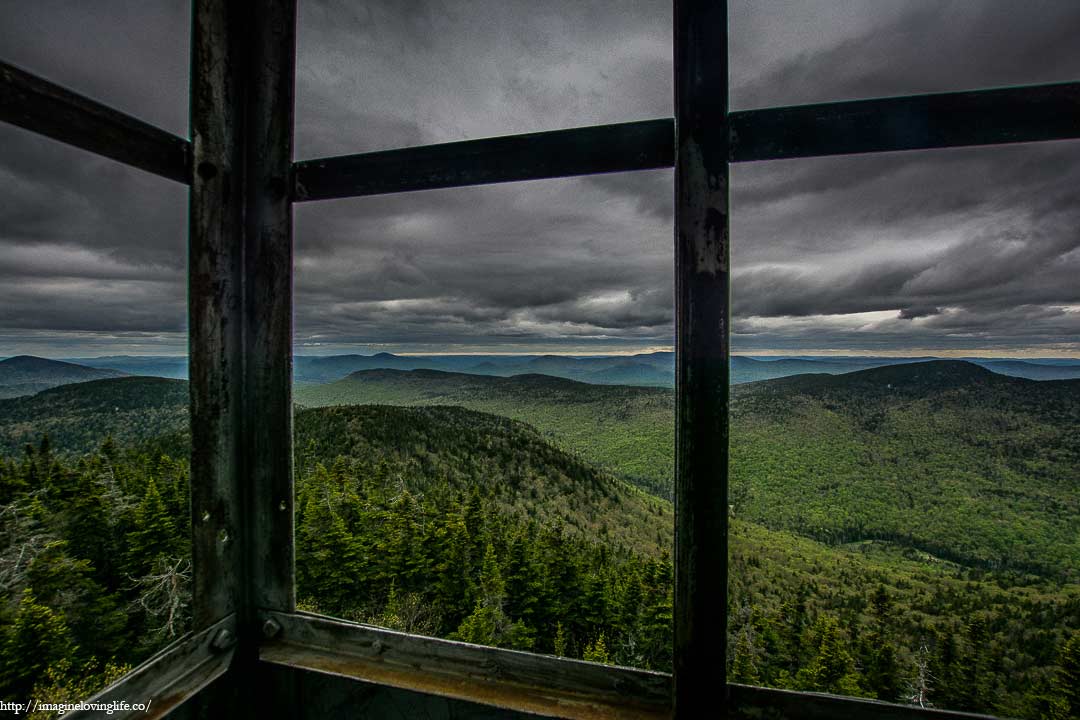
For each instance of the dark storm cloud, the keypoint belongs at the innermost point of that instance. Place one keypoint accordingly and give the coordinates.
(910, 313)
(945, 249)
(910, 47)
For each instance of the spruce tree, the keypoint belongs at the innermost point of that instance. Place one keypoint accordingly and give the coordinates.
(1067, 682)
(37, 639)
(744, 665)
(153, 535)
(880, 666)
(597, 651)
(832, 668)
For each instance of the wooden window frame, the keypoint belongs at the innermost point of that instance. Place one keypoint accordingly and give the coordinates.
(243, 184)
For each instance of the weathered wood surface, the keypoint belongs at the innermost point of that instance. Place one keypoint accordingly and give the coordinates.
(542, 684)
(215, 290)
(560, 153)
(755, 703)
(51, 110)
(172, 676)
(702, 318)
(268, 471)
(981, 117)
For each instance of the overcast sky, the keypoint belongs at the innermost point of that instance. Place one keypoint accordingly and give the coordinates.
(944, 252)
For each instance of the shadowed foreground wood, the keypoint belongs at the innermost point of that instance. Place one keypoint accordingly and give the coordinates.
(756, 703)
(172, 676)
(541, 684)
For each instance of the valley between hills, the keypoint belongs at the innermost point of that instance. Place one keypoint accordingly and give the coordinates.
(892, 523)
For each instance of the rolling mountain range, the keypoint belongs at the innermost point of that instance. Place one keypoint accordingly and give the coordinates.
(625, 429)
(919, 505)
(26, 375)
(945, 456)
(166, 366)
(648, 369)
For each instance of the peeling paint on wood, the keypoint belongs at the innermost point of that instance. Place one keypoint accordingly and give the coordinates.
(701, 351)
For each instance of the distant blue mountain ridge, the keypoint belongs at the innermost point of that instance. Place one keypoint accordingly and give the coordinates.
(656, 369)
(26, 375)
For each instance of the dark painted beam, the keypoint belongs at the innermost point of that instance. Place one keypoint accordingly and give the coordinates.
(561, 153)
(215, 297)
(702, 322)
(268, 479)
(983, 117)
(46, 108)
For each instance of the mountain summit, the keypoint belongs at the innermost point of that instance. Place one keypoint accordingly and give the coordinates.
(28, 374)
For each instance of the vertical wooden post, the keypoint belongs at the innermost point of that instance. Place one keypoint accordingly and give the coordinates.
(215, 247)
(243, 57)
(702, 348)
(268, 305)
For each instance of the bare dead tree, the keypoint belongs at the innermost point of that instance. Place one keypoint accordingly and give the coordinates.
(22, 538)
(164, 595)
(919, 683)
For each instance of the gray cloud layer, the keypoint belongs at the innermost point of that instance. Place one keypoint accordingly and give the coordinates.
(960, 249)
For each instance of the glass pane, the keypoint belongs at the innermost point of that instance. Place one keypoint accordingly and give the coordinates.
(94, 533)
(791, 52)
(388, 74)
(905, 409)
(498, 468)
(132, 55)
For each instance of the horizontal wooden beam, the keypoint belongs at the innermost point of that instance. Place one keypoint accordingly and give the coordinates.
(983, 117)
(48, 109)
(170, 677)
(541, 684)
(749, 702)
(561, 153)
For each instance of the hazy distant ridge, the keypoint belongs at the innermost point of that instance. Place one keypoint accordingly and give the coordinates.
(27, 375)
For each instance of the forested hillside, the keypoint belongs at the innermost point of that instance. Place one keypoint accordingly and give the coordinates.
(80, 416)
(944, 456)
(898, 533)
(26, 375)
(628, 430)
(405, 522)
(439, 450)
(947, 457)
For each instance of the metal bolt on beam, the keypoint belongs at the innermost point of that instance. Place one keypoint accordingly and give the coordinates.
(270, 628)
(223, 640)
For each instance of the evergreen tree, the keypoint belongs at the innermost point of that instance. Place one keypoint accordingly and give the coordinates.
(153, 534)
(454, 588)
(37, 639)
(948, 668)
(832, 668)
(524, 583)
(1067, 683)
(327, 566)
(559, 641)
(596, 651)
(880, 666)
(744, 665)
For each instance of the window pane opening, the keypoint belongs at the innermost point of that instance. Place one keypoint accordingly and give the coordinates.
(484, 440)
(95, 557)
(906, 388)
